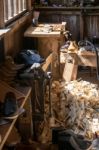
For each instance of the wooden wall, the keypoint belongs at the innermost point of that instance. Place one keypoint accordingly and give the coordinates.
(92, 25)
(14, 39)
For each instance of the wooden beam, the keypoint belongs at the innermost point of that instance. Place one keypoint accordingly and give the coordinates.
(70, 69)
(1, 13)
(81, 26)
(47, 63)
(29, 5)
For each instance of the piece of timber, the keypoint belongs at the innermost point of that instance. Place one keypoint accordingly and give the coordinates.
(47, 63)
(70, 69)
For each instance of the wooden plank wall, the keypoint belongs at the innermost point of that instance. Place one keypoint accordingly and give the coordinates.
(92, 26)
(74, 22)
(14, 40)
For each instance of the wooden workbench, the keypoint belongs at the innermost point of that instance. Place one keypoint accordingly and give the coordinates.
(73, 60)
(38, 32)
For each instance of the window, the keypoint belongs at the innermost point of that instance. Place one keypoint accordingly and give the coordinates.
(13, 9)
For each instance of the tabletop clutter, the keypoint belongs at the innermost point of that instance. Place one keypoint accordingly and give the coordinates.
(74, 47)
(47, 28)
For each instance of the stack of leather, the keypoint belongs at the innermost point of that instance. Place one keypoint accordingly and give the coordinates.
(9, 70)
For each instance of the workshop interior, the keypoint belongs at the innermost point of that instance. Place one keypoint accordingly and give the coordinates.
(49, 74)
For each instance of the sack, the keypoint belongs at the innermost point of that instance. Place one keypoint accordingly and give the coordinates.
(29, 57)
(10, 104)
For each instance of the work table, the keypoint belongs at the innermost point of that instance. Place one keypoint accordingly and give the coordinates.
(44, 30)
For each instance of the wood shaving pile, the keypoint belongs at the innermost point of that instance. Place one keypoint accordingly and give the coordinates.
(75, 106)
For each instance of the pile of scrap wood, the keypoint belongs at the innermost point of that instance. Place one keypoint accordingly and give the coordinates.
(75, 106)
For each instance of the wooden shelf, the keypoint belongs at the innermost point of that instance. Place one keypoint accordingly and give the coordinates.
(65, 8)
(3, 31)
(22, 93)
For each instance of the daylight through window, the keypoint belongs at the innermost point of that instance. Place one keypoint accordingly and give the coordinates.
(13, 8)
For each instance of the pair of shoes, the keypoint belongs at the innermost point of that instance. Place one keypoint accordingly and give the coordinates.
(10, 105)
(9, 108)
(15, 115)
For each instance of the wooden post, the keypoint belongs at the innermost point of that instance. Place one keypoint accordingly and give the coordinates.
(29, 5)
(2, 14)
(70, 69)
(81, 25)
